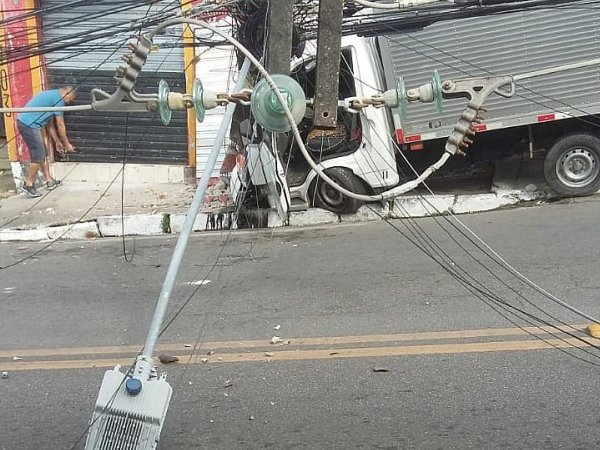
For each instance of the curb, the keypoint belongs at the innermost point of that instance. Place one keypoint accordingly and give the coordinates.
(411, 206)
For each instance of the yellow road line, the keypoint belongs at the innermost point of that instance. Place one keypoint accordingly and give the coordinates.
(312, 354)
(320, 341)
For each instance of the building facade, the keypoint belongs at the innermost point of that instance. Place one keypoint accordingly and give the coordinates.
(81, 44)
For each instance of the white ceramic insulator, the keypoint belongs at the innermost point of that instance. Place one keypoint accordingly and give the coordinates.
(390, 98)
(176, 102)
(209, 99)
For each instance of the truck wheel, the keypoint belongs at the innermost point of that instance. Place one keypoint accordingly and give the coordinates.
(326, 197)
(572, 166)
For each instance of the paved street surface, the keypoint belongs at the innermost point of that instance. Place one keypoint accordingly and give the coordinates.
(379, 346)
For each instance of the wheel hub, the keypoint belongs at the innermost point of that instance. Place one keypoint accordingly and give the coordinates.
(330, 195)
(577, 167)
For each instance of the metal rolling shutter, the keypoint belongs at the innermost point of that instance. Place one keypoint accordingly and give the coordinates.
(85, 43)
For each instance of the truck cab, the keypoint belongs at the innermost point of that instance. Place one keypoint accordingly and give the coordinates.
(360, 152)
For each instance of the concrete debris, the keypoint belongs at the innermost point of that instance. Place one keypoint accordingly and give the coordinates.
(204, 360)
(275, 340)
(17, 358)
(167, 359)
(530, 188)
(269, 354)
(4, 375)
(217, 197)
(277, 327)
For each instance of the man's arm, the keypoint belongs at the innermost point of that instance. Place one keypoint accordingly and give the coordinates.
(54, 140)
(62, 133)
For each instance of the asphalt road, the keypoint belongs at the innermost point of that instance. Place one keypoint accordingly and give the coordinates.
(380, 346)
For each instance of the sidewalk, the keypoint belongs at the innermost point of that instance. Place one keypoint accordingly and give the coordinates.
(84, 210)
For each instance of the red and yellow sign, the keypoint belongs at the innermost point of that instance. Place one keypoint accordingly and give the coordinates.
(21, 73)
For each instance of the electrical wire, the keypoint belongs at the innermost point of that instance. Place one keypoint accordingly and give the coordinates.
(520, 85)
(124, 163)
(478, 289)
(45, 247)
(398, 4)
(273, 86)
(282, 102)
(503, 262)
(170, 323)
(52, 242)
(496, 298)
(90, 73)
(84, 38)
(132, 366)
(430, 248)
(370, 24)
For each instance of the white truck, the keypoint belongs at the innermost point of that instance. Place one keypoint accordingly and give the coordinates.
(554, 113)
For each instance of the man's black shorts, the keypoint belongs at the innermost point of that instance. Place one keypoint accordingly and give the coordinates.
(35, 142)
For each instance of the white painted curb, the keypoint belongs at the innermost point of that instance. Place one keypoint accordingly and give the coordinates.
(177, 221)
(135, 225)
(368, 213)
(421, 206)
(481, 202)
(402, 207)
(81, 231)
(313, 216)
(36, 234)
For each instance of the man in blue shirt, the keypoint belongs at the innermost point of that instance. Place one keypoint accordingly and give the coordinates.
(30, 125)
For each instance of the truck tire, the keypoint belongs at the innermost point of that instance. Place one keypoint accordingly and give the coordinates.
(572, 166)
(326, 197)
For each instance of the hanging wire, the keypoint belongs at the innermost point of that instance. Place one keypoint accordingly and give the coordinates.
(68, 229)
(495, 297)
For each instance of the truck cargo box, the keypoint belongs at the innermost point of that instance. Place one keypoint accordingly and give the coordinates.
(505, 44)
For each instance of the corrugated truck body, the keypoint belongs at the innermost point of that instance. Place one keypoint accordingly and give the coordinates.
(505, 44)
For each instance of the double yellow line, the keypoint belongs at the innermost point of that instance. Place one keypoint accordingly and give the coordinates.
(297, 349)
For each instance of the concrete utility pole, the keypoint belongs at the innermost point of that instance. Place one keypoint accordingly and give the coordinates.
(329, 38)
(329, 42)
(279, 38)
